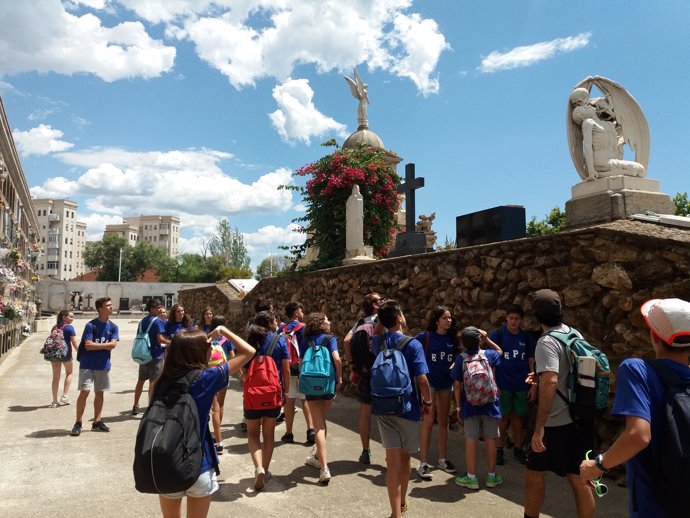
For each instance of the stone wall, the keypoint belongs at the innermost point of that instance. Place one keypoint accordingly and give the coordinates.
(223, 299)
(603, 273)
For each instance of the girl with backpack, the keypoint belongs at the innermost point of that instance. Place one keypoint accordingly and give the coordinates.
(69, 336)
(441, 344)
(318, 334)
(189, 350)
(221, 350)
(272, 381)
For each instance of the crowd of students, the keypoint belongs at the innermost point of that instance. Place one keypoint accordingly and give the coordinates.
(440, 360)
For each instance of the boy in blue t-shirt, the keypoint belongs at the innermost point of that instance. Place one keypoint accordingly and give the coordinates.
(477, 419)
(99, 338)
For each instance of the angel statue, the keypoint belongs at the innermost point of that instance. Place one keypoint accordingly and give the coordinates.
(359, 92)
(599, 128)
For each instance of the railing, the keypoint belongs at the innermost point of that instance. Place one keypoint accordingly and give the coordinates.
(53, 217)
(10, 334)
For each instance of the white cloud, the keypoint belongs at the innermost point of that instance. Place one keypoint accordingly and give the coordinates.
(530, 54)
(95, 224)
(266, 240)
(296, 118)
(122, 182)
(379, 33)
(44, 37)
(40, 140)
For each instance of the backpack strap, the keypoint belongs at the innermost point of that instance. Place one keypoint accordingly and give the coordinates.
(669, 377)
(426, 342)
(149, 326)
(403, 342)
(272, 345)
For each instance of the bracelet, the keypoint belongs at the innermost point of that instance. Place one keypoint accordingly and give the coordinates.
(426, 403)
(598, 463)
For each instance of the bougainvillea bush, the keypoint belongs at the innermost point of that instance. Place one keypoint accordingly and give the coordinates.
(325, 194)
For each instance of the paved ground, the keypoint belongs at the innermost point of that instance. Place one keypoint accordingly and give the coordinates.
(45, 472)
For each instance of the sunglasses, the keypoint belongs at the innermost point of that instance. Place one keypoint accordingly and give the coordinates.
(599, 487)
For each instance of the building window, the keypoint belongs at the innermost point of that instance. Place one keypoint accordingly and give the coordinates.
(52, 265)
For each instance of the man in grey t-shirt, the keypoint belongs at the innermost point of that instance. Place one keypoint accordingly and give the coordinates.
(559, 444)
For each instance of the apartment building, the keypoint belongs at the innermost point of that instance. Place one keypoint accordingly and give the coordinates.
(160, 231)
(62, 238)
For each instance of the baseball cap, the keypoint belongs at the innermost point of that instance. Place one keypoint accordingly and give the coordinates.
(547, 303)
(470, 337)
(669, 319)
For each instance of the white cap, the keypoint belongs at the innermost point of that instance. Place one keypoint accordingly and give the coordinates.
(668, 319)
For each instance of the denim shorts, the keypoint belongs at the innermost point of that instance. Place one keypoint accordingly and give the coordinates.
(205, 485)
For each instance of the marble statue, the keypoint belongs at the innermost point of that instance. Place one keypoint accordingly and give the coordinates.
(599, 128)
(354, 221)
(359, 91)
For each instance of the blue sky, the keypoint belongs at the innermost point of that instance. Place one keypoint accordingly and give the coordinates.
(202, 108)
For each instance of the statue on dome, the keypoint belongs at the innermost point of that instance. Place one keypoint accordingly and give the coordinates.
(359, 91)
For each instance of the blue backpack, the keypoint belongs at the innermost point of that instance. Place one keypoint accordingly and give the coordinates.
(141, 347)
(317, 374)
(391, 384)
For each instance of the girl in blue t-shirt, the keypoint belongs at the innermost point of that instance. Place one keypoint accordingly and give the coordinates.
(205, 321)
(262, 423)
(190, 350)
(64, 321)
(441, 343)
(178, 320)
(318, 332)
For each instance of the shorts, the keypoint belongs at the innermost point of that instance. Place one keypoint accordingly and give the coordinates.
(324, 397)
(566, 447)
(513, 403)
(205, 485)
(151, 371)
(94, 380)
(481, 426)
(398, 432)
(363, 389)
(272, 413)
(294, 392)
(441, 389)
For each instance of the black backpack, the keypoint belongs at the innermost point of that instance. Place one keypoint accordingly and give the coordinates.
(169, 450)
(360, 347)
(671, 468)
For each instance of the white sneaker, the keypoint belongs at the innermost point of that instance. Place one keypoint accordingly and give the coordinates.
(325, 476)
(259, 478)
(424, 471)
(313, 461)
(64, 400)
(446, 465)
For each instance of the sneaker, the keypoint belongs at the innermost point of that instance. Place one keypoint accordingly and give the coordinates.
(219, 448)
(469, 483)
(365, 457)
(311, 436)
(493, 481)
(500, 458)
(76, 429)
(324, 476)
(136, 410)
(520, 455)
(64, 400)
(259, 478)
(54, 404)
(99, 426)
(288, 438)
(424, 471)
(446, 465)
(313, 461)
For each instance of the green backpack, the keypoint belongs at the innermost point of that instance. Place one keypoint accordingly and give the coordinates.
(588, 378)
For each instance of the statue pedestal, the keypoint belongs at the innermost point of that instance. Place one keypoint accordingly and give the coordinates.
(361, 255)
(409, 243)
(615, 197)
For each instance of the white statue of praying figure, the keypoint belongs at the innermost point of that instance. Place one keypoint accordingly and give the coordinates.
(354, 223)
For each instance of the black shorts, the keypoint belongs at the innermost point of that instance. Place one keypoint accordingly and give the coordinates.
(363, 389)
(566, 447)
(324, 397)
(258, 414)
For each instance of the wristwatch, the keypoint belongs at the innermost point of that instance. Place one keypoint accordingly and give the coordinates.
(598, 463)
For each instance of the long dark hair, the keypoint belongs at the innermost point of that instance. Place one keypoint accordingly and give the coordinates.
(203, 312)
(62, 314)
(188, 350)
(436, 314)
(186, 321)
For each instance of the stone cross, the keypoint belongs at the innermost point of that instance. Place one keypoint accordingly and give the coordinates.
(407, 188)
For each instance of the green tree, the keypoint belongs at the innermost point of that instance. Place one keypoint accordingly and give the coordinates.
(680, 200)
(197, 268)
(228, 244)
(272, 265)
(104, 256)
(553, 222)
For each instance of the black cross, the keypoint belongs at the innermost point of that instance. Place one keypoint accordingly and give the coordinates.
(408, 188)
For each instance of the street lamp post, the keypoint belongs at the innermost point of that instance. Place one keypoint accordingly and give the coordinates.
(119, 267)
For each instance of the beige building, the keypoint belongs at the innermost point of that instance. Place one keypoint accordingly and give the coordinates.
(62, 238)
(160, 231)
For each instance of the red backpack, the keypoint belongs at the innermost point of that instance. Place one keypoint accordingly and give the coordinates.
(293, 347)
(262, 388)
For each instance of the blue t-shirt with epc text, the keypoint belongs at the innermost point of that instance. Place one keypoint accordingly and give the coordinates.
(439, 358)
(98, 332)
